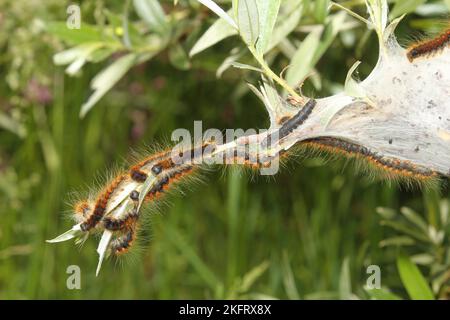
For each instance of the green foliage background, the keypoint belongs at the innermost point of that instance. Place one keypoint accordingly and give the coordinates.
(310, 232)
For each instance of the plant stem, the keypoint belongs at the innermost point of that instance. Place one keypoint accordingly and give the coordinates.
(272, 75)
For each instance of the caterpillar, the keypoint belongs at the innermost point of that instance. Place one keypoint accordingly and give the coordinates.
(430, 47)
(136, 172)
(288, 125)
(115, 224)
(94, 217)
(122, 244)
(393, 168)
(297, 120)
(167, 179)
(167, 171)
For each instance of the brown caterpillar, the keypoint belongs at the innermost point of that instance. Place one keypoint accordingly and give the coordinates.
(94, 217)
(82, 208)
(393, 167)
(168, 172)
(115, 224)
(430, 47)
(122, 244)
(136, 172)
(167, 178)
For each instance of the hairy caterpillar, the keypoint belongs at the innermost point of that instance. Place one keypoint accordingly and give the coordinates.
(398, 99)
(290, 124)
(392, 168)
(124, 242)
(167, 168)
(429, 47)
(97, 213)
(297, 120)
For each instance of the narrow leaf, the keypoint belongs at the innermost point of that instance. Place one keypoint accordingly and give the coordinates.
(248, 21)
(151, 12)
(415, 218)
(302, 61)
(245, 66)
(286, 26)
(216, 33)
(219, 11)
(179, 58)
(106, 79)
(87, 33)
(268, 12)
(382, 294)
(413, 280)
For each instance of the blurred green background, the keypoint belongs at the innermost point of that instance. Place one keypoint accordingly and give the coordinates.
(310, 232)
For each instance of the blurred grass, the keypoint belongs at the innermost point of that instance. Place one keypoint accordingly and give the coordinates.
(310, 232)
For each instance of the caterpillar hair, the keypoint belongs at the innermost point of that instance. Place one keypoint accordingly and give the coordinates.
(122, 244)
(137, 172)
(393, 168)
(167, 178)
(114, 224)
(430, 47)
(94, 217)
(82, 208)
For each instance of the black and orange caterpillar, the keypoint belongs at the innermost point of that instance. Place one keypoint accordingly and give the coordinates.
(168, 173)
(430, 47)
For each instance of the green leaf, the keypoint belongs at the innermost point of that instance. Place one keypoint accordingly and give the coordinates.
(386, 213)
(381, 294)
(245, 66)
(131, 35)
(345, 286)
(288, 279)
(179, 58)
(248, 20)
(352, 87)
(444, 211)
(227, 63)
(216, 33)
(413, 280)
(219, 11)
(405, 229)
(101, 54)
(152, 13)
(12, 125)
(76, 56)
(321, 10)
(87, 33)
(403, 7)
(423, 259)
(268, 12)
(106, 79)
(302, 62)
(250, 277)
(397, 241)
(333, 27)
(286, 26)
(188, 252)
(415, 218)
